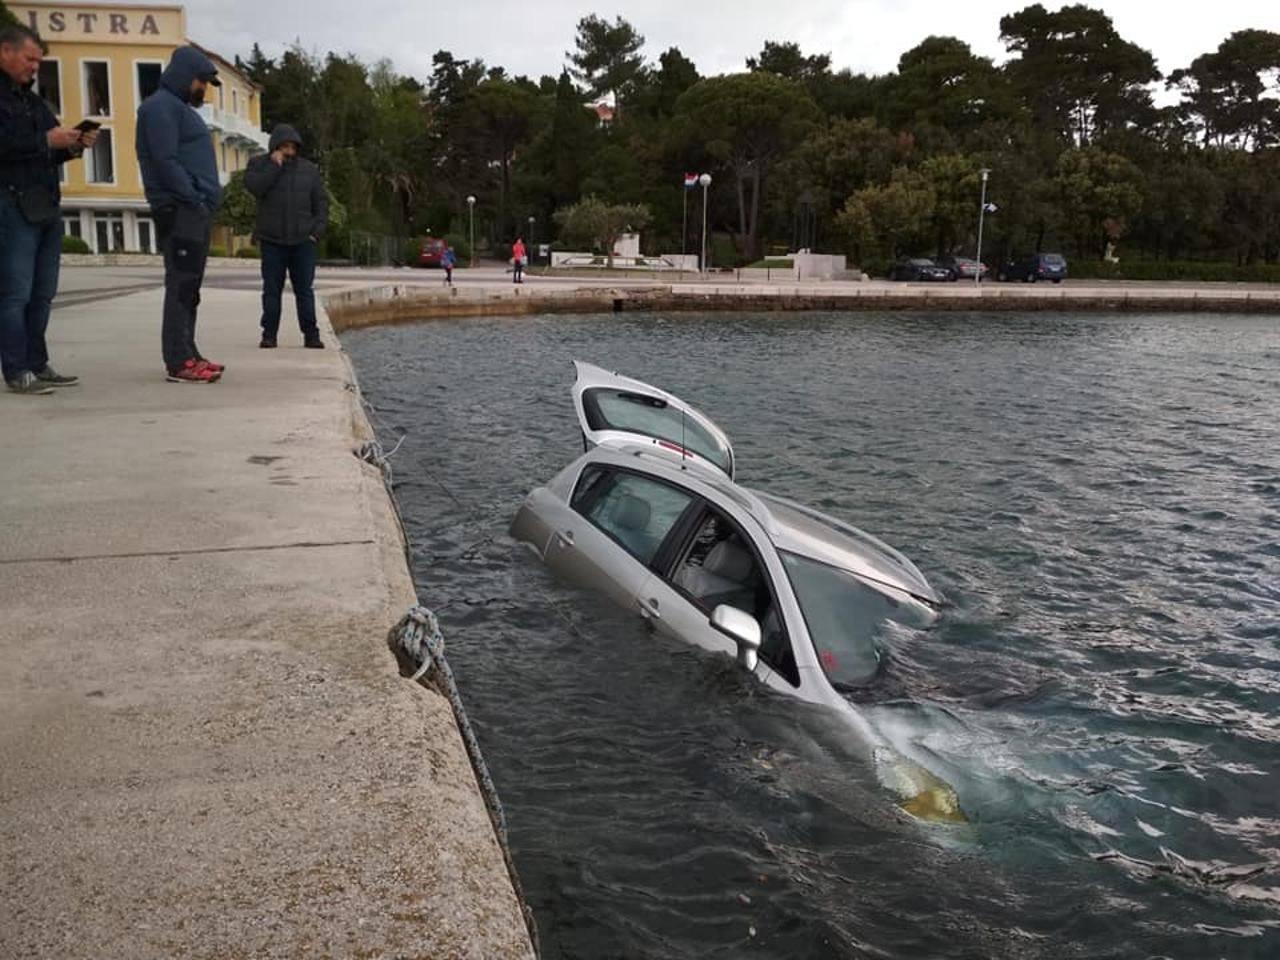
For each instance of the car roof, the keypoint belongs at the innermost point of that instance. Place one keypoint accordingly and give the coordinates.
(791, 527)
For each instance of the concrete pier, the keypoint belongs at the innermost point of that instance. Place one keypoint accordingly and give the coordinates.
(206, 747)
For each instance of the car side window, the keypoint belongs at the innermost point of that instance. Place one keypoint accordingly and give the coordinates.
(719, 566)
(638, 512)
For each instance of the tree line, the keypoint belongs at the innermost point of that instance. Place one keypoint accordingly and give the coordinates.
(1081, 159)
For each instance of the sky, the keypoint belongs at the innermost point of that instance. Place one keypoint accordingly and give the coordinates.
(532, 36)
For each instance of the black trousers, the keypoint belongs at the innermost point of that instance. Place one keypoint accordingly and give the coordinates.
(183, 233)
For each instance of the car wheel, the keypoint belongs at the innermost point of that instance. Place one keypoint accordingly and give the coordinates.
(1059, 280)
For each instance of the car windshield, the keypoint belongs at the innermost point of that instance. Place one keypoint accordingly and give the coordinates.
(610, 409)
(845, 617)
(921, 263)
(1053, 260)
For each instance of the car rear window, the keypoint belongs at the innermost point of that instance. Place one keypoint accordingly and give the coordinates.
(609, 409)
(1053, 260)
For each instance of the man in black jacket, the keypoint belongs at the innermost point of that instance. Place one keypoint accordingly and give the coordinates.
(32, 145)
(293, 210)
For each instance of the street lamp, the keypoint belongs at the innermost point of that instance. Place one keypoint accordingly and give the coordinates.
(529, 238)
(471, 215)
(982, 209)
(705, 180)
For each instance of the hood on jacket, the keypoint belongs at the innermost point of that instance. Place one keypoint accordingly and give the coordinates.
(282, 134)
(187, 64)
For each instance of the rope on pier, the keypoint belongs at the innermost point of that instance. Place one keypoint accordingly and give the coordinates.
(418, 640)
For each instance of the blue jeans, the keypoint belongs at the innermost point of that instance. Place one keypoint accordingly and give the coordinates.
(29, 261)
(298, 260)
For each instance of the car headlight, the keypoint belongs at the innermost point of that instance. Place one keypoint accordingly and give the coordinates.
(921, 793)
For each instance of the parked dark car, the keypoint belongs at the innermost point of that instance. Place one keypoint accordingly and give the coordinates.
(962, 268)
(431, 251)
(1038, 266)
(918, 268)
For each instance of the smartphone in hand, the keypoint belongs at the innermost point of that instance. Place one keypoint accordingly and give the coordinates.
(87, 126)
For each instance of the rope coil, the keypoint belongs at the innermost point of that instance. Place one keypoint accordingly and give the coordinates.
(418, 637)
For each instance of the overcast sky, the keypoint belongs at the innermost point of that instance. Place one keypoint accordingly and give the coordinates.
(531, 37)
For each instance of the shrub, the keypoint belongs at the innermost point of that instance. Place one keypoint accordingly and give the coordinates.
(1191, 270)
(461, 249)
(72, 244)
(249, 253)
(217, 251)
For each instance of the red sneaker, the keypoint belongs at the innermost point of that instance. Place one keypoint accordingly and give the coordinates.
(215, 367)
(193, 371)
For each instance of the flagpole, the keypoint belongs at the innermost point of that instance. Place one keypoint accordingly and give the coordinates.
(684, 225)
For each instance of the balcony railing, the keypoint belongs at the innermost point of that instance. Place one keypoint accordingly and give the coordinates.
(235, 128)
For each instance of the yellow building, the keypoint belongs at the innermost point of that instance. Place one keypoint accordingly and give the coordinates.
(103, 61)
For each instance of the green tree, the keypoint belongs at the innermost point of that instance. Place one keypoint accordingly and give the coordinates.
(885, 221)
(502, 114)
(786, 60)
(6, 17)
(1075, 72)
(607, 58)
(592, 221)
(747, 121)
(1232, 91)
(1098, 193)
(941, 82)
(956, 187)
(655, 92)
(239, 209)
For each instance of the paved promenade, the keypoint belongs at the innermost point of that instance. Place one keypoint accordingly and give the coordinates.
(206, 748)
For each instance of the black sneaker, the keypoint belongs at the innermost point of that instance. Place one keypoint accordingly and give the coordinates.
(55, 379)
(267, 343)
(27, 384)
(313, 343)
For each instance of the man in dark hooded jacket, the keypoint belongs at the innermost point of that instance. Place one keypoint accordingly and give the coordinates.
(180, 176)
(293, 210)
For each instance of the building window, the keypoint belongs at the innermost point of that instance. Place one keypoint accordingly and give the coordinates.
(147, 77)
(235, 103)
(223, 147)
(146, 235)
(100, 160)
(97, 87)
(49, 84)
(71, 225)
(108, 229)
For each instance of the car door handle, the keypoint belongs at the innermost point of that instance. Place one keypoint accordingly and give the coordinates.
(564, 538)
(649, 609)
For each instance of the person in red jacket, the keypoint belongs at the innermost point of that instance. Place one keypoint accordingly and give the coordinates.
(519, 257)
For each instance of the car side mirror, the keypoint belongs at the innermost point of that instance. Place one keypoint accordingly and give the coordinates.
(742, 628)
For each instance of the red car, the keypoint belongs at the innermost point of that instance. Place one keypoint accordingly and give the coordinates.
(432, 250)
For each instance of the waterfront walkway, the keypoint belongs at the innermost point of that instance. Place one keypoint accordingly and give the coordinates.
(206, 747)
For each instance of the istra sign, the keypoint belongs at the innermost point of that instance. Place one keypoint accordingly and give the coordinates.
(102, 23)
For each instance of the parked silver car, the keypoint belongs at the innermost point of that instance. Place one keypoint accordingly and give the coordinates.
(650, 515)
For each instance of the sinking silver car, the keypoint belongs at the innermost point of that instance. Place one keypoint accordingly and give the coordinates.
(650, 515)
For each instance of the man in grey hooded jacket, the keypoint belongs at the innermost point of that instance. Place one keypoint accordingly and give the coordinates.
(293, 210)
(180, 176)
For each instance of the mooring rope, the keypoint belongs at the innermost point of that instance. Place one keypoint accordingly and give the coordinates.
(418, 638)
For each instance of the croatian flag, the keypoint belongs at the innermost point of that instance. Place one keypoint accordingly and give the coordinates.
(690, 181)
